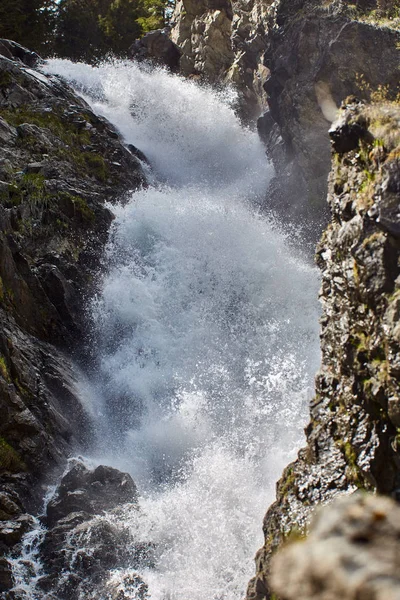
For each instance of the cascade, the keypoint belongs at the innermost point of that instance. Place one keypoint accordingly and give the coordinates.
(205, 332)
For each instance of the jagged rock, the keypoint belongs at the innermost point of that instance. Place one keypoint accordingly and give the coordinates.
(225, 41)
(318, 55)
(59, 164)
(351, 552)
(83, 544)
(15, 51)
(91, 492)
(156, 46)
(12, 532)
(352, 438)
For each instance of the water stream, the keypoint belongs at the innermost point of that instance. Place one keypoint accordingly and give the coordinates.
(206, 332)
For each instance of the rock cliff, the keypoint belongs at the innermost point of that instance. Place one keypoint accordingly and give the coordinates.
(353, 435)
(59, 164)
(297, 60)
(224, 42)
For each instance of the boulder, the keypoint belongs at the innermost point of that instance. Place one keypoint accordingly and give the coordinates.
(90, 492)
(351, 552)
(156, 46)
(86, 540)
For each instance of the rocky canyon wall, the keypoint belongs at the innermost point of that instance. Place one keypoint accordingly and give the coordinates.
(353, 435)
(293, 61)
(59, 164)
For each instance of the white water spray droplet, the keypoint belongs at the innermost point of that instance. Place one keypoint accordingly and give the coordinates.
(207, 329)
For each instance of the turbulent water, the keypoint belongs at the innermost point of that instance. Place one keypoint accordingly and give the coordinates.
(206, 332)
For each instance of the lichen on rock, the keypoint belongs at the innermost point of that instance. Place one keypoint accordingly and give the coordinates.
(352, 438)
(59, 165)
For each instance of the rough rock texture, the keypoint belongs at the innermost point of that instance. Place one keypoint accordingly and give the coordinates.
(353, 436)
(85, 540)
(224, 41)
(156, 46)
(318, 53)
(59, 163)
(295, 61)
(352, 553)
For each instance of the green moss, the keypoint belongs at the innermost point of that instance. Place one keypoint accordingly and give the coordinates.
(5, 79)
(4, 369)
(9, 458)
(82, 207)
(21, 388)
(96, 165)
(288, 482)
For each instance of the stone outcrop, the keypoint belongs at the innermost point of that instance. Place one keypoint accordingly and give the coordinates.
(351, 552)
(157, 47)
(84, 539)
(295, 61)
(352, 438)
(224, 41)
(59, 164)
(318, 53)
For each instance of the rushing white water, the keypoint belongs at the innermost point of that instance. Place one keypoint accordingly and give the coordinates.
(206, 328)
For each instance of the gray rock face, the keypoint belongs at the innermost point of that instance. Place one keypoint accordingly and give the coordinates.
(295, 61)
(318, 55)
(352, 438)
(351, 552)
(85, 544)
(59, 164)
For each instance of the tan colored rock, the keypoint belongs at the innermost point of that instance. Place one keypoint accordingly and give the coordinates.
(224, 42)
(351, 553)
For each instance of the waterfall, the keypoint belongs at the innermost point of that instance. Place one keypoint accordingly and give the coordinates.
(205, 329)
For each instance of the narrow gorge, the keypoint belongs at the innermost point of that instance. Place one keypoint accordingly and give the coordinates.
(160, 315)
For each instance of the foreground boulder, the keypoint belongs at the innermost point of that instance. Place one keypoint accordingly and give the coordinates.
(85, 550)
(351, 552)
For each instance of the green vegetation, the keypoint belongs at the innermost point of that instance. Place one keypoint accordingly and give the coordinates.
(288, 481)
(386, 13)
(81, 29)
(9, 458)
(4, 372)
(75, 141)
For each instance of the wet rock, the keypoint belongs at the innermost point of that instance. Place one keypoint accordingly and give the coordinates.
(59, 165)
(352, 437)
(352, 551)
(91, 492)
(6, 578)
(87, 545)
(130, 586)
(12, 532)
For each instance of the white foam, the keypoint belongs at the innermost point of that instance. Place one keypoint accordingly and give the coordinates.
(207, 329)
